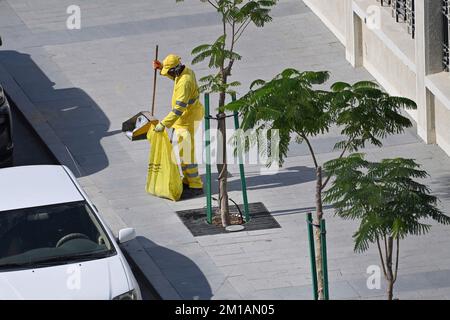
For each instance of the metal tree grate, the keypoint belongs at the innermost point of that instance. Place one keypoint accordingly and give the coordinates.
(195, 220)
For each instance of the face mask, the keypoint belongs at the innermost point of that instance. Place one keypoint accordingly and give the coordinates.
(176, 71)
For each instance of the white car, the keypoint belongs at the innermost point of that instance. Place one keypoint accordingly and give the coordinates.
(53, 242)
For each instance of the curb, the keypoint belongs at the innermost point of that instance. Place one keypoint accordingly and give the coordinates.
(151, 272)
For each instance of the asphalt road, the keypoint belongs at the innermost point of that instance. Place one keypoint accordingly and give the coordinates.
(30, 150)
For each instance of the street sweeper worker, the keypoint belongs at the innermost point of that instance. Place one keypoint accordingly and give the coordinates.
(185, 117)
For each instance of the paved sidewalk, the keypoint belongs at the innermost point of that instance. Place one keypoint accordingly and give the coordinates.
(77, 87)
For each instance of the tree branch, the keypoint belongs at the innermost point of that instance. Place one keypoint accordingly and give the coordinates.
(215, 6)
(242, 31)
(389, 259)
(386, 249)
(227, 70)
(224, 23)
(222, 64)
(396, 259)
(242, 24)
(340, 156)
(311, 150)
(381, 256)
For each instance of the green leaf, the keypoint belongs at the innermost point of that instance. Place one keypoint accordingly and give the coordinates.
(340, 86)
(258, 83)
(287, 103)
(200, 48)
(316, 77)
(366, 84)
(202, 56)
(287, 73)
(234, 84)
(383, 196)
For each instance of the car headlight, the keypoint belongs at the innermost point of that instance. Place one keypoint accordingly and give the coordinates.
(130, 295)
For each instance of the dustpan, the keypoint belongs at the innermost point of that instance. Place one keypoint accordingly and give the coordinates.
(137, 126)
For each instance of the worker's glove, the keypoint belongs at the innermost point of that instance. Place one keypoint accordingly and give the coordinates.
(159, 127)
(157, 65)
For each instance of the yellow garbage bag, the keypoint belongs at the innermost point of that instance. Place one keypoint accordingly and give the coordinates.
(163, 178)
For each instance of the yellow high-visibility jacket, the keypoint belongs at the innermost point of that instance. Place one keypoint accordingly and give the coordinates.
(186, 106)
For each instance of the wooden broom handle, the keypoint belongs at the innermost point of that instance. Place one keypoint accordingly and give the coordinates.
(154, 83)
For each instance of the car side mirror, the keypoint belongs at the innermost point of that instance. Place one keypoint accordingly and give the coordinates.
(126, 235)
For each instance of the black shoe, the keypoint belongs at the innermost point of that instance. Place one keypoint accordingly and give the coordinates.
(197, 191)
(189, 193)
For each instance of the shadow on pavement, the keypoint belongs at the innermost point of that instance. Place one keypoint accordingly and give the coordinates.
(71, 112)
(284, 178)
(441, 187)
(182, 273)
(29, 149)
(298, 210)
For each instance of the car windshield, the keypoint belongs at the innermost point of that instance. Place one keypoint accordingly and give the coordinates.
(51, 235)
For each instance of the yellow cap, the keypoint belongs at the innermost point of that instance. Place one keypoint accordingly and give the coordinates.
(172, 60)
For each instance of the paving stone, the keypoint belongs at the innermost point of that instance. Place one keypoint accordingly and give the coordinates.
(226, 292)
(288, 293)
(242, 286)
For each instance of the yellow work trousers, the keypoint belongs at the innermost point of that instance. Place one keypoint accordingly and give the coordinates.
(189, 165)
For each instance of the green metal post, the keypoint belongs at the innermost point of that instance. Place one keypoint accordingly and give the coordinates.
(323, 241)
(312, 253)
(241, 169)
(208, 161)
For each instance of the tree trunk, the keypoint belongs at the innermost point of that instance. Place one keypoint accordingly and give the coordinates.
(222, 167)
(389, 271)
(319, 215)
(390, 289)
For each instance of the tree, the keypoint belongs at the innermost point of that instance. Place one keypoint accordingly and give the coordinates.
(386, 200)
(290, 104)
(236, 16)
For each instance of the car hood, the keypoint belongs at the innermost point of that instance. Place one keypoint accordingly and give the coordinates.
(91, 280)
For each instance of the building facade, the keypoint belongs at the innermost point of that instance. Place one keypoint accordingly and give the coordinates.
(404, 44)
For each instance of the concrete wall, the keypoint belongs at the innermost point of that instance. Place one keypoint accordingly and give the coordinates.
(332, 13)
(402, 65)
(442, 126)
(394, 75)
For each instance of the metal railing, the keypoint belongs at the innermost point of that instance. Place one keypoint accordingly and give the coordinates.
(404, 12)
(411, 17)
(446, 30)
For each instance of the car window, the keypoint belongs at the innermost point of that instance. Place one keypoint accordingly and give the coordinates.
(56, 234)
